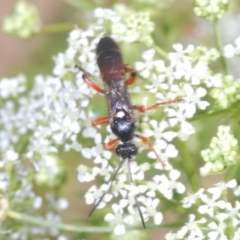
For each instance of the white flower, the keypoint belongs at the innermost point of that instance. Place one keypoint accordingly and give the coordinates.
(12, 87)
(194, 99)
(208, 205)
(93, 195)
(194, 73)
(117, 219)
(62, 203)
(150, 210)
(222, 186)
(236, 191)
(103, 13)
(180, 54)
(163, 150)
(233, 213)
(237, 48)
(158, 83)
(218, 228)
(83, 175)
(179, 117)
(171, 236)
(229, 51)
(146, 67)
(192, 228)
(191, 199)
(37, 203)
(159, 131)
(167, 186)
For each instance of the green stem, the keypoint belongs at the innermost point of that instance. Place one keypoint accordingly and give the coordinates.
(189, 166)
(74, 228)
(220, 45)
(174, 204)
(232, 171)
(161, 52)
(50, 224)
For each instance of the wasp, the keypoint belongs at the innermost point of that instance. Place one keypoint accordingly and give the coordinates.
(121, 117)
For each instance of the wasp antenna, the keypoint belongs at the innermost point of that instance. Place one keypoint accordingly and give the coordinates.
(109, 181)
(79, 67)
(135, 196)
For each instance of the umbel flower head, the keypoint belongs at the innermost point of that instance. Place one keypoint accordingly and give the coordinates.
(57, 112)
(210, 9)
(223, 152)
(24, 21)
(216, 217)
(227, 92)
(161, 81)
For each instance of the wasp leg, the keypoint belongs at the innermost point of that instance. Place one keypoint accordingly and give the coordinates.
(100, 121)
(110, 145)
(87, 79)
(142, 108)
(147, 142)
(133, 74)
(92, 84)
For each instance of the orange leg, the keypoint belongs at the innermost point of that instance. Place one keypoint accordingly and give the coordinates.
(100, 121)
(133, 74)
(142, 108)
(147, 142)
(90, 82)
(110, 145)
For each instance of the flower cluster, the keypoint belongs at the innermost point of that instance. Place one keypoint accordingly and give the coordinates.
(180, 78)
(210, 9)
(222, 153)
(134, 27)
(22, 138)
(226, 91)
(24, 21)
(215, 217)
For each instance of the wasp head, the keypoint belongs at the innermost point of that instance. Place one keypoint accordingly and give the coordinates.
(126, 150)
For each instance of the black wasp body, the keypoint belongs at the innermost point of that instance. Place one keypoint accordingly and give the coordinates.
(121, 116)
(120, 109)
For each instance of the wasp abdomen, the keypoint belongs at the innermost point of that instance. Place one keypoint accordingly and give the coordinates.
(109, 60)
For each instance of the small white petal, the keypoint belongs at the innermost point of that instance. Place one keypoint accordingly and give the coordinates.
(148, 55)
(180, 188)
(37, 202)
(171, 151)
(201, 91)
(232, 183)
(229, 51)
(109, 217)
(119, 229)
(139, 66)
(158, 218)
(174, 174)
